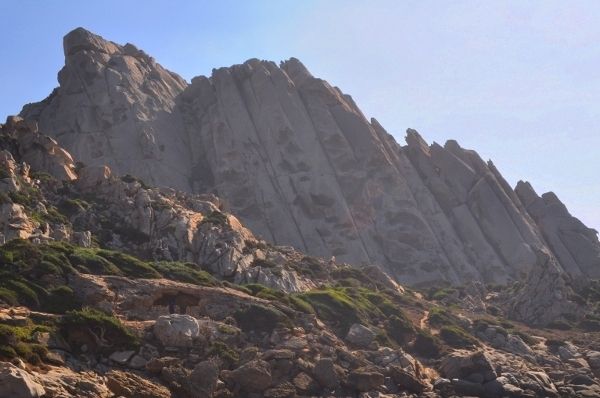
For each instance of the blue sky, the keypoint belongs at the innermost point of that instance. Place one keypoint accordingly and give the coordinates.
(519, 81)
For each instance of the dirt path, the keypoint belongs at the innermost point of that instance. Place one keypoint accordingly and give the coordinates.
(423, 320)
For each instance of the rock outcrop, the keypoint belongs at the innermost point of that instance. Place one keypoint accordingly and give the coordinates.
(296, 160)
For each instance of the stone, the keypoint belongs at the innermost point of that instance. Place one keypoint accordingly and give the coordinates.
(137, 362)
(325, 374)
(467, 388)
(155, 365)
(203, 378)
(407, 381)
(176, 330)
(17, 383)
(461, 364)
(365, 379)
(253, 376)
(305, 384)
(130, 385)
(121, 357)
(582, 380)
(360, 336)
(593, 359)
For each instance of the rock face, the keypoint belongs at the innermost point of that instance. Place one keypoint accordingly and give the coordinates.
(296, 160)
(16, 383)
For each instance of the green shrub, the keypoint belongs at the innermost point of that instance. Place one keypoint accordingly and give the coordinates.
(590, 325)
(184, 272)
(427, 345)
(227, 354)
(400, 329)
(441, 294)
(129, 265)
(260, 318)
(439, 317)
(560, 324)
(8, 296)
(88, 261)
(60, 300)
(334, 307)
(16, 341)
(217, 218)
(71, 207)
(457, 337)
(102, 333)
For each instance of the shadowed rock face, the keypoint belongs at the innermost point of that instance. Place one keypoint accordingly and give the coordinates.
(296, 160)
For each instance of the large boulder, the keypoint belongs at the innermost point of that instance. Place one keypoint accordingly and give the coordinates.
(325, 374)
(204, 377)
(360, 336)
(406, 380)
(463, 364)
(176, 330)
(253, 376)
(365, 379)
(17, 383)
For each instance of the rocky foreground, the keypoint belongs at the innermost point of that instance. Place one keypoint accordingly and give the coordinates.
(112, 288)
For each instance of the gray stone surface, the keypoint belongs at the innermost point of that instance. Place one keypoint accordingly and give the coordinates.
(296, 160)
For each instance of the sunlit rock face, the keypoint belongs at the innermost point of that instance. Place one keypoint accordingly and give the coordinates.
(296, 160)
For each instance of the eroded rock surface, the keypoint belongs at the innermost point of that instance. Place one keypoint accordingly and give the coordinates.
(296, 160)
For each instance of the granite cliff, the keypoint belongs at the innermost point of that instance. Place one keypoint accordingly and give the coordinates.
(296, 160)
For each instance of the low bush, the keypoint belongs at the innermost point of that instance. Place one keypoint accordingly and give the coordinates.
(427, 345)
(457, 337)
(100, 332)
(260, 318)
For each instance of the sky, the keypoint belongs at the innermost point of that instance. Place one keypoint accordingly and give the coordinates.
(518, 81)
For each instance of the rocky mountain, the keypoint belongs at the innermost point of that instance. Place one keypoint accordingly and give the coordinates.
(244, 236)
(296, 160)
(112, 288)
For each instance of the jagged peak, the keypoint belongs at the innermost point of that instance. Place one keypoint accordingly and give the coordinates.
(295, 70)
(414, 140)
(81, 39)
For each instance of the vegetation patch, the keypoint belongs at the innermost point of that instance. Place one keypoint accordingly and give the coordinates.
(184, 272)
(18, 341)
(457, 337)
(427, 345)
(260, 318)
(227, 354)
(97, 331)
(217, 218)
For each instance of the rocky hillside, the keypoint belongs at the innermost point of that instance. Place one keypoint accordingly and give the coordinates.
(112, 288)
(244, 236)
(296, 160)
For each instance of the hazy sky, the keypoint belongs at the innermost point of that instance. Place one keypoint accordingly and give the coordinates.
(517, 81)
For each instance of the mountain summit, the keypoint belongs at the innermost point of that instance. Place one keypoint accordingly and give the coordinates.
(296, 160)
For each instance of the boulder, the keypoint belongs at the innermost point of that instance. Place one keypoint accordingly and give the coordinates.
(406, 380)
(17, 383)
(462, 364)
(365, 379)
(121, 357)
(305, 384)
(360, 336)
(176, 330)
(593, 359)
(325, 374)
(203, 378)
(130, 385)
(253, 376)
